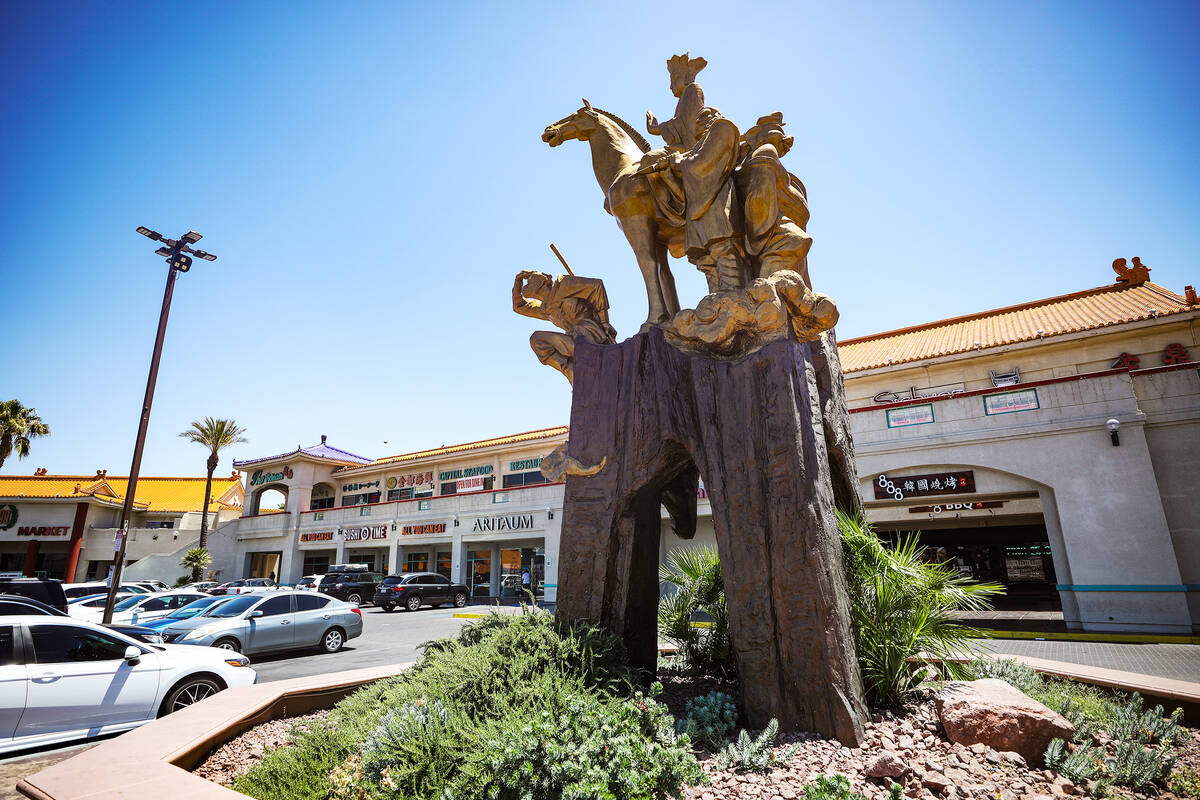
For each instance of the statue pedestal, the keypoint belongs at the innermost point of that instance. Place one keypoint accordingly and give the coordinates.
(757, 430)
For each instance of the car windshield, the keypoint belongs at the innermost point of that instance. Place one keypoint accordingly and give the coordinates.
(234, 607)
(194, 608)
(128, 603)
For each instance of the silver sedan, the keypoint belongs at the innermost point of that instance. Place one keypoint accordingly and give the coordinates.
(265, 623)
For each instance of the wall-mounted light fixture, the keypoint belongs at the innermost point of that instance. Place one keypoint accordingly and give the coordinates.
(549, 513)
(456, 520)
(393, 526)
(1114, 425)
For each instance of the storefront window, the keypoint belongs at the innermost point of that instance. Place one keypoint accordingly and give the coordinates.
(524, 479)
(320, 503)
(265, 565)
(416, 562)
(360, 499)
(445, 564)
(376, 560)
(317, 563)
(451, 487)
(513, 565)
(479, 572)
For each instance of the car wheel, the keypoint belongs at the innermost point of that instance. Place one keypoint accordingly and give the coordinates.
(413, 602)
(228, 644)
(460, 599)
(354, 597)
(188, 693)
(388, 608)
(333, 640)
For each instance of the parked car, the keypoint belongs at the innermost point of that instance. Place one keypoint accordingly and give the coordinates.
(14, 605)
(415, 589)
(244, 586)
(192, 609)
(309, 583)
(83, 607)
(141, 607)
(63, 679)
(354, 586)
(154, 586)
(49, 592)
(73, 590)
(199, 586)
(263, 623)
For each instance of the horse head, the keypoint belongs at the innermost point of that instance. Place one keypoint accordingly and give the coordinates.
(580, 125)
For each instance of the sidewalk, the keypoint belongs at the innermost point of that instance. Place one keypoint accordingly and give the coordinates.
(1179, 662)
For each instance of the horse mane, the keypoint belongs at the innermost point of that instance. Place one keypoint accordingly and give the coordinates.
(637, 138)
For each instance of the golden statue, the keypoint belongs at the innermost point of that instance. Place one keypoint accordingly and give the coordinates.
(680, 131)
(577, 305)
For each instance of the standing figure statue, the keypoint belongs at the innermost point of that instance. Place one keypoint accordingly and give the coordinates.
(577, 305)
(774, 202)
(679, 132)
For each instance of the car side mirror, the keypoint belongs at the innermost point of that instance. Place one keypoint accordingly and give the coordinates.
(133, 655)
(256, 613)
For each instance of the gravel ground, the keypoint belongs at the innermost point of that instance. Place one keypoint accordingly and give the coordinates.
(235, 757)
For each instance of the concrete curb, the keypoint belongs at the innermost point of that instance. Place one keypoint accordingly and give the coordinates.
(153, 761)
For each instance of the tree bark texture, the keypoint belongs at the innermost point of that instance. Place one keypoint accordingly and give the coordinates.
(757, 431)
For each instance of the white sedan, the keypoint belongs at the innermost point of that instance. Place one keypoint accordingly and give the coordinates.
(139, 607)
(62, 679)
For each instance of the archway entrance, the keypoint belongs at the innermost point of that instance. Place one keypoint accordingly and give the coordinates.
(270, 499)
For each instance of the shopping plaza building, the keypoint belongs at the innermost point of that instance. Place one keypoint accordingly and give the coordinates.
(1052, 446)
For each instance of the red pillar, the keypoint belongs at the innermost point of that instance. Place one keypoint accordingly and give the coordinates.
(81, 510)
(31, 554)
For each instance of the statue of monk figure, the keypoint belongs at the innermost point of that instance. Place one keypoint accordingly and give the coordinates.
(680, 131)
(713, 232)
(577, 305)
(774, 202)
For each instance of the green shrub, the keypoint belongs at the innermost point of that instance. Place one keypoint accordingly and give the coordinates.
(837, 787)
(1137, 767)
(699, 590)
(754, 755)
(436, 730)
(710, 719)
(1184, 782)
(1084, 764)
(903, 606)
(619, 750)
(1128, 721)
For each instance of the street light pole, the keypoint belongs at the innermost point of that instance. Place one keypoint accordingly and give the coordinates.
(174, 250)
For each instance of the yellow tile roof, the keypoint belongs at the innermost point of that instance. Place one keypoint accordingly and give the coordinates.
(517, 438)
(1069, 313)
(153, 494)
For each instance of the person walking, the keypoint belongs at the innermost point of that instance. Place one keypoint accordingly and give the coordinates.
(527, 585)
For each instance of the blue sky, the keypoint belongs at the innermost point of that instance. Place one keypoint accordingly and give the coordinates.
(372, 176)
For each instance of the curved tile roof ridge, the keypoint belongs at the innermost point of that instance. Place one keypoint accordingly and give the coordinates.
(515, 438)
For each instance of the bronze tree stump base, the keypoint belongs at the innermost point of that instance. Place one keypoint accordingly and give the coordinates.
(756, 429)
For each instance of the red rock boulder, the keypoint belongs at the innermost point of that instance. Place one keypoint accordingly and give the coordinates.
(993, 713)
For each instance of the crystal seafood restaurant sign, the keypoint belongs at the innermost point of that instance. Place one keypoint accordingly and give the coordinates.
(365, 533)
(924, 485)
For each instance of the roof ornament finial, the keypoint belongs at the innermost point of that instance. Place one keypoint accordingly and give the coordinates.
(1135, 275)
(322, 438)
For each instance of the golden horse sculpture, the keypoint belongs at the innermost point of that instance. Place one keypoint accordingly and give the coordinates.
(618, 151)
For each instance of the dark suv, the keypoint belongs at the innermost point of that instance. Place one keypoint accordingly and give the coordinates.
(415, 589)
(44, 591)
(353, 586)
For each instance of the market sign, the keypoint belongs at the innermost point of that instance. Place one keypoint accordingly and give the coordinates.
(909, 415)
(924, 485)
(467, 472)
(515, 522)
(524, 464)
(365, 533)
(354, 487)
(319, 536)
(913, 393)
(42, 530)
(474, 484)
(1010, 402)
(420, 530)
(8, 516)
(260, 477)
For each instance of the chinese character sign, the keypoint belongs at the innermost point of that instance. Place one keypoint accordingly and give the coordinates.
(923, 485)
(1175, 353)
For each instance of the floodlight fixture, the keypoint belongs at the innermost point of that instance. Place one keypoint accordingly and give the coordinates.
(149, 234)
(191, 237)
(204, 255)
(165, 252)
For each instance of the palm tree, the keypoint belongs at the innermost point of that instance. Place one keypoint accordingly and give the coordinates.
(216, 435)
(197, 559)
(18, 425)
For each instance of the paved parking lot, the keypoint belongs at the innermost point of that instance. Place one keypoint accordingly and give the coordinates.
(386, 639)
